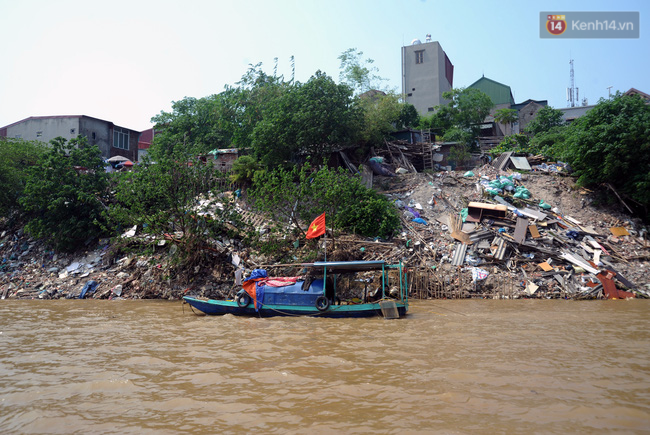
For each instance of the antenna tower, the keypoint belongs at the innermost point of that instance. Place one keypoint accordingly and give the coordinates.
(572, 92)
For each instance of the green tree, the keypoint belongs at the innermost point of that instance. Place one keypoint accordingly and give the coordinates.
(282, 193)
(302, 193)
(408, 116)
(466, 110)
(176, 197)
(506, 117)
(381, 113)
(545, 119)
(310, 119)
(358, 73)
(350, 205)
(225, 120)
(515, 142)
(611, 144)
(551, 143)
(65, 194)
(438, 122)
(467, 107)
(384, 113)
(244, 169)
(191, 127)
(17, 156)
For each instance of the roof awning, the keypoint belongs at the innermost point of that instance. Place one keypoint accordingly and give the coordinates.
(224, 151)
(117, 159)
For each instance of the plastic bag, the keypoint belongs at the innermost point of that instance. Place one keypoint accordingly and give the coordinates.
(479, 274)
(522, 192)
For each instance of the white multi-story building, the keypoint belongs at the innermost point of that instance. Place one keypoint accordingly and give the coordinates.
(427, 72)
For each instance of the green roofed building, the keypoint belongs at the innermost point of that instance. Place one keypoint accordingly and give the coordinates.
(500, 94)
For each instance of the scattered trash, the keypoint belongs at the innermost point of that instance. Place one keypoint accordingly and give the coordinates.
(117, 290)
(130, 233)
(479, 274)
(486, 237)
(88, 288)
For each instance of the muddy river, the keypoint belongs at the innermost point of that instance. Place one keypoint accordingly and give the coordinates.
(475, 366)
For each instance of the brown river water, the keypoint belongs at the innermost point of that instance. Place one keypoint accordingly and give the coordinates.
(474, 366)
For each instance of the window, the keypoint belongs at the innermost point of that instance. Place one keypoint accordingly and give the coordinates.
(409, 95)
(121, 138)
(39, 134)
(72, 130)
(419, 56)
(94, 136)
(430, 109)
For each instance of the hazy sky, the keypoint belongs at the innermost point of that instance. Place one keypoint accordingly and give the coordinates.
(125, 61)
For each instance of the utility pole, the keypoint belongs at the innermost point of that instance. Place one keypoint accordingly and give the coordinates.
(609, 92)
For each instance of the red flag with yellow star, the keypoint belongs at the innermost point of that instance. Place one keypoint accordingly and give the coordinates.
(317, 227)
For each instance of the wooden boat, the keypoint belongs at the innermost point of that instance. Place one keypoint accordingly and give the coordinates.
(322, 290)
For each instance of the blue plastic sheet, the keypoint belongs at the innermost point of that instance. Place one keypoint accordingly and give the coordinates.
(90, 288)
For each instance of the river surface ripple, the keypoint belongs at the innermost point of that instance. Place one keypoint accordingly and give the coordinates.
(475, 366)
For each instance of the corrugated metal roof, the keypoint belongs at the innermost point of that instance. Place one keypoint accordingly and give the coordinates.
(459, 254)
(521, 163)
(498, 92)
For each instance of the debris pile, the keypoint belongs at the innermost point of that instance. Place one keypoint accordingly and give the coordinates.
(485, 233)
(498, 234)
(28, 270)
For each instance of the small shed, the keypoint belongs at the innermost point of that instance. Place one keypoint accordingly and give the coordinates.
(224, 158)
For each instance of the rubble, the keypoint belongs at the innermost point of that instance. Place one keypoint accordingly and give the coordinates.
(548, 243)
(485, 233)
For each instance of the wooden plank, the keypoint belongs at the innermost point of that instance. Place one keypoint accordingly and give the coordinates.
(455, 227)
(502, 201)
(533, 214)
(545, 266)
(572, 220)
(520, 230)
(586, 247)
(534, 232)
(597, 256)
(619, 231)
